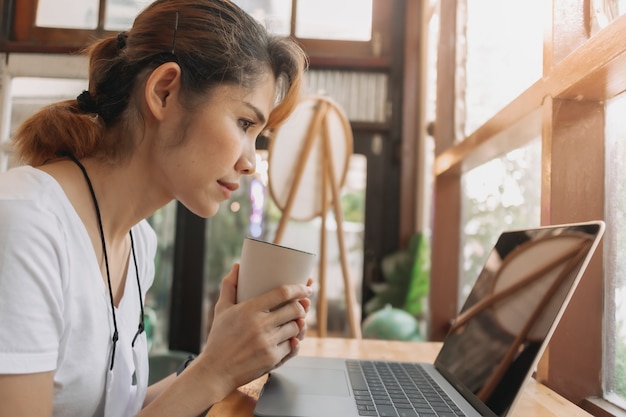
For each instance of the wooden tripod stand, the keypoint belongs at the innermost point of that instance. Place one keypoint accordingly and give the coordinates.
(318, 134)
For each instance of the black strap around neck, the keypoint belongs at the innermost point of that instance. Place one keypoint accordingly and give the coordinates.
(141, 327)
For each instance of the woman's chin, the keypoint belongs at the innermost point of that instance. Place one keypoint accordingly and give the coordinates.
(204, 211)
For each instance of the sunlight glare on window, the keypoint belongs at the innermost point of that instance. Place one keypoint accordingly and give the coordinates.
(615, 246)
(504, 55)
(332, 19)
(69, 14)
(47, 88)
(275, 15)
(502, 194)
(604, 12)
(120, 14)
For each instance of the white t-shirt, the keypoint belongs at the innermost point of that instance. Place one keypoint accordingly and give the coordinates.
(55, 311)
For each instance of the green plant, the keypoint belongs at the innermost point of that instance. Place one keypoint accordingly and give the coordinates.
(407, 277)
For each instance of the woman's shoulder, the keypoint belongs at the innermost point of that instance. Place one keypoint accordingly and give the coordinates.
(23, 182)
(27, 183)
(30, 196)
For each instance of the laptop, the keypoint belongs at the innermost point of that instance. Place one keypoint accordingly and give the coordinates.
(491, 350)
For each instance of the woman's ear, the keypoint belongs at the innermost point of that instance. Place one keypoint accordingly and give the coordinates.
(162, 89)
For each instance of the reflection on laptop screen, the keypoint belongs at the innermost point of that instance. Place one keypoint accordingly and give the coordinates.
(512, 310)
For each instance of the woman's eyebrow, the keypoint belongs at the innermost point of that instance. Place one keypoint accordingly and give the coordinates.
(259, 114)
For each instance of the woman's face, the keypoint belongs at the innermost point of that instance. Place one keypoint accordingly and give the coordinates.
(218, 146)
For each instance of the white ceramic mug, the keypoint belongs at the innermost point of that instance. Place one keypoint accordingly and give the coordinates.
(265, 266)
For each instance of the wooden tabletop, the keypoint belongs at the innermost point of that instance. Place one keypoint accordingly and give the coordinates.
(537, 399)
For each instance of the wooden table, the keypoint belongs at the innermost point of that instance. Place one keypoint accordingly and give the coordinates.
(537, 400)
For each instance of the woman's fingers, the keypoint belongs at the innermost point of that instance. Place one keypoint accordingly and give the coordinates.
(303, 328)
(277, 297)
(287, 330)
(294, 345)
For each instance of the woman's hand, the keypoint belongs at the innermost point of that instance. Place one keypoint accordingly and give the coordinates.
(253, 337)
(295, 342)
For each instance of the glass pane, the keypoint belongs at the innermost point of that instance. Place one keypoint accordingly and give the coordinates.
(120, 14)
(252, 212)
(275, 15)
(331, 19)
(504, 55)
(604, 12)
(615, 247)
(502, 194)
(71, 14)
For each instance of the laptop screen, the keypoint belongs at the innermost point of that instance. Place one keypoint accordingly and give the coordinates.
(512, 310)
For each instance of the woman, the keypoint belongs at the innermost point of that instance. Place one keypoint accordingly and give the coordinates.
(172, 112)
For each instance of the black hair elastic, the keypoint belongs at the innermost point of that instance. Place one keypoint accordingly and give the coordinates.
(86, 102)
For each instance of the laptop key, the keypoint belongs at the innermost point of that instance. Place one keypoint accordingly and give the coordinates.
(386, 411)
(397, 390)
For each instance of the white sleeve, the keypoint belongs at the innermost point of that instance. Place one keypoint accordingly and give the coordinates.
(32, 254)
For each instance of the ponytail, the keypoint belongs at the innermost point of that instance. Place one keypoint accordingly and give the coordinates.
(59, 127)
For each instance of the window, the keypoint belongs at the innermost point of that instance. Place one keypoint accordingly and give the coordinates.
(349, 20)
(570, 96)
(503, 56)
(501, 194)
(67, 14)
(71, 14)
(615, 248)
(350, 28)
(328, 19)
(355, 28)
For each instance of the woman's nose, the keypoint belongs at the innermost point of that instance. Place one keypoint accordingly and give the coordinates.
(247, 162)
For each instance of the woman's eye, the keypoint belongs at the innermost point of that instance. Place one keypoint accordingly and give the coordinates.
(245, 124)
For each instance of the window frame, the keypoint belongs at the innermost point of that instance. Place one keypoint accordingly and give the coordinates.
(567, 107)
(321, 49)
(25, 36)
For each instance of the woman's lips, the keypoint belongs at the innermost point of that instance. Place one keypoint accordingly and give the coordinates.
(228, 188)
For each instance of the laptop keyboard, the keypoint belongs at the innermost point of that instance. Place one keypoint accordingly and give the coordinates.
(396, 389)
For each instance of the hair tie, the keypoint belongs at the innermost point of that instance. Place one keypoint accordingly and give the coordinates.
(121, 40)
(86, 102)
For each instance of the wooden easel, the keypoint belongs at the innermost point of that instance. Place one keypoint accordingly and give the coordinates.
(318, 131)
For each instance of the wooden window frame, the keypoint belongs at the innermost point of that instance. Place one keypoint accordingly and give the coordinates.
(25, 36)
(566, 107)
(375, 53)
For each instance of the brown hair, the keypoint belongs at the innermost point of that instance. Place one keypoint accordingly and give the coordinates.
(213, 41)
